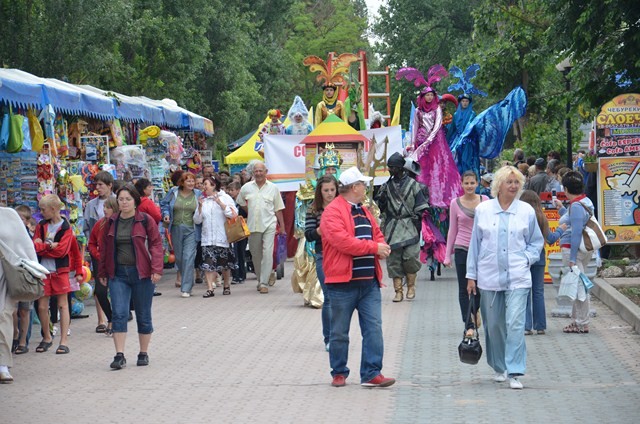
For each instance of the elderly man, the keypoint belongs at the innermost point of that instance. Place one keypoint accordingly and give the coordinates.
(352, 245)
(261, 199)
(401, 201)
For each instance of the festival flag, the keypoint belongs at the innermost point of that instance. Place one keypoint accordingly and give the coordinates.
(396, 113)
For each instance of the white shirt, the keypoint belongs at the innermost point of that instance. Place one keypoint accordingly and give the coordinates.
(212, 217)
(262, 204)
(504, 245)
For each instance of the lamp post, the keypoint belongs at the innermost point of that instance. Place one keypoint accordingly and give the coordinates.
(565, 67)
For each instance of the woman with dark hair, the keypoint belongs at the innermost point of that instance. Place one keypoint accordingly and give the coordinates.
(536, 314)
(579, 211)
(178, 208)
(461, 214)
(326, 191)
(147, 205)
(218, 256)
(131, 260)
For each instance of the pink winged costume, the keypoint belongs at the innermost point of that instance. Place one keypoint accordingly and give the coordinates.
(431, 150)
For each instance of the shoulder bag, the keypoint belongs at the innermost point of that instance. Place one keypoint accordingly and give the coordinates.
(24, 277)
(469, 349)
(593, 237)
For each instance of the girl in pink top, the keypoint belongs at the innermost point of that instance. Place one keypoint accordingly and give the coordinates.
(461, 213)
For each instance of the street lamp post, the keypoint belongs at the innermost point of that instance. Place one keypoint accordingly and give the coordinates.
(565, 67)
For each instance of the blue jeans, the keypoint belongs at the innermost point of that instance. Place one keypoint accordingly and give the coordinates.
(345, 298)
(326, 306)
(503, 313)
(185, 247)
(125, 286)
(536, 308)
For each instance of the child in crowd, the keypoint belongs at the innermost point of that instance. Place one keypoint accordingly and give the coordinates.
(22, 315)
(58, 251)
(239, 274)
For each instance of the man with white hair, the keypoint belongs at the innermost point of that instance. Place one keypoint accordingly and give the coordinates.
(263, 203)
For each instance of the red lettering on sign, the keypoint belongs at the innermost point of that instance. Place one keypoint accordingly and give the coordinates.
(298, 151)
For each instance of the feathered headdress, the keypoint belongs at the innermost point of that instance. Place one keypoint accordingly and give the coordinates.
(464, 81)
(434, 75)
(339, 66)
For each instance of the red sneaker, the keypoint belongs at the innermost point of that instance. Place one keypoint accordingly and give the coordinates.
(379, 381)
(339, 380)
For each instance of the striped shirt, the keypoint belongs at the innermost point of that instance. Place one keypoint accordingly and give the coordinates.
(363, 266)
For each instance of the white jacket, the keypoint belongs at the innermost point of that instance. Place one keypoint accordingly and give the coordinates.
(212, 217)
(504, 245)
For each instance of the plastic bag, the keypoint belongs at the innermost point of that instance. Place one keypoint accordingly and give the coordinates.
(569, 283)
(4, 132)
(35, 129)
(26, 134)
(16, 135)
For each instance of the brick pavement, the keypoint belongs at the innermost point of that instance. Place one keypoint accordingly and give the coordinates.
(259, 358)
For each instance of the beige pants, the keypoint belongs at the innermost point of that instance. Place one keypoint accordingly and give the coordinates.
(261, 248)
(6, 332)
(580, 312)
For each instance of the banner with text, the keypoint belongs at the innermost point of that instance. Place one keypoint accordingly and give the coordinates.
(284, 156)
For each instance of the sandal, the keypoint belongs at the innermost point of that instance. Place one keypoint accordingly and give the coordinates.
(101, 328)
(571, 328)
(584, 329)
(227, 290)
(62, 349)
(21, 349)
(528, 332)
(209, 293)
(178, 284)
(44, 346)
(541, 332)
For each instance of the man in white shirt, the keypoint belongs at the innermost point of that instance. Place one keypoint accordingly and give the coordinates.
(263, 203)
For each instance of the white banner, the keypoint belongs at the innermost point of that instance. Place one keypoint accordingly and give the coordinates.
(284, 156)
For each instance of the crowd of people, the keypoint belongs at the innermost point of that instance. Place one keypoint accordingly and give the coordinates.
(495, 240)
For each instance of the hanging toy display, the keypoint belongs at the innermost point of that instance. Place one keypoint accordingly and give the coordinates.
(156, 153)
(130, 162)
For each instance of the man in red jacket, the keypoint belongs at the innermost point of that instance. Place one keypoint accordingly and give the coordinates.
(353, 245)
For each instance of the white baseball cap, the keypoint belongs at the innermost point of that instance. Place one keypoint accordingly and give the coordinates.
(353, 175)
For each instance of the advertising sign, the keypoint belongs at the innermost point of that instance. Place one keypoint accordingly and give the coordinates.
(618, 127)
(619, 198)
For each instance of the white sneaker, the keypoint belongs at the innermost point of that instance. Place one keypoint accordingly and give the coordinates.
(514, 383)
(55, 330)
(185, 294)
(68, 331)
(500, 377)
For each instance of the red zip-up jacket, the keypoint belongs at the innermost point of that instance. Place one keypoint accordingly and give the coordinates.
(148, 206)
(147, 246)
(340, 245)
(95, 238)
(66, 253)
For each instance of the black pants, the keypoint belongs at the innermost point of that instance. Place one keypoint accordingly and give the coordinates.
(463, 295)
(240, 249)
(101, 292)
(53, 307)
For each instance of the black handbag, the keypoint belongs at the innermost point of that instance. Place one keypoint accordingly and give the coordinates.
(469, 349)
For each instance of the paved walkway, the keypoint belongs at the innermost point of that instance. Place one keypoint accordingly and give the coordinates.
(260, 359)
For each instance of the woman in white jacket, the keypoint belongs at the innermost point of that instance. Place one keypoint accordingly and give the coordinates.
(217, 255)
(506, 240)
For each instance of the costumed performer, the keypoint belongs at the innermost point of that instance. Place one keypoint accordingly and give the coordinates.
(429, 145)
(330, 75)
(273, 127)
(304, 279)
(401, 201)
(467, 156)
(299, 116)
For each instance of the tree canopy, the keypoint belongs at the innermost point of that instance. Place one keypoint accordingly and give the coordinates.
(232, 61)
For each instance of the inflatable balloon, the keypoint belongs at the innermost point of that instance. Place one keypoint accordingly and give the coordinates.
(85, 292)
